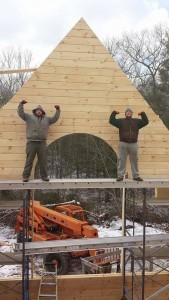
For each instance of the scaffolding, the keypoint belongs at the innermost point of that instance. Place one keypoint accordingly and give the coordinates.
(138, 259)
(126, 242)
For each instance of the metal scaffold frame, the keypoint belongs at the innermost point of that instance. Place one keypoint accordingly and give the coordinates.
(25, 258)
(137, 282)
(127, 242)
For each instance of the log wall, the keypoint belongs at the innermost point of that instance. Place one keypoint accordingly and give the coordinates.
(86, 287)
(82, 77)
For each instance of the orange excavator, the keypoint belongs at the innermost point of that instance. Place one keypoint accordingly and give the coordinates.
(64, 222)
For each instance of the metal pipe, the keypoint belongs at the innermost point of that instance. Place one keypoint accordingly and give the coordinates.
(25, 258)
(132, 256)
(144, 242)
(123, 253)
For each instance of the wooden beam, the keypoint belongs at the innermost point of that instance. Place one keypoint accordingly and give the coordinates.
(85, 287)
(18, 71)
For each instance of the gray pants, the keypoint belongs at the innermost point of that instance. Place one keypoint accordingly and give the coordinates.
(33, 148)
(126, 149)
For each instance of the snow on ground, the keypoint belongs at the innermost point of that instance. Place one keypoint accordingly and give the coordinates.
(113, 229)
(8, 238)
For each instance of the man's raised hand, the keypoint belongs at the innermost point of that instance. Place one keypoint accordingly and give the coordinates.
(57, 106)
(23, 101)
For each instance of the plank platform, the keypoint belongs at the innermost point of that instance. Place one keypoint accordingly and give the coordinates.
(95, 243)
(13, 258)
(97, 183)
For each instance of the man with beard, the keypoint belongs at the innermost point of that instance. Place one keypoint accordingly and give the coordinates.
(128, 135)
(37, 125)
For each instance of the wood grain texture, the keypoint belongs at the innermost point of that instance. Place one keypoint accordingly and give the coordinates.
(88, 287)
(82, 77)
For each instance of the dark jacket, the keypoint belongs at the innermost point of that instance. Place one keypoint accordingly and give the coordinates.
(128, 127)
(37, 128)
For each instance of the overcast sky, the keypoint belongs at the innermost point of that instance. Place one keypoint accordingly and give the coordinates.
(39, 25)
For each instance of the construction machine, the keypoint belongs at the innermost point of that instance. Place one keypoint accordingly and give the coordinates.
(64, 222)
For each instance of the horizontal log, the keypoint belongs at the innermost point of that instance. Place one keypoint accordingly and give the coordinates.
(74, 79)
(11, 172)
(154, 158)
(82, 48)
(19, 138)
(79, 107)
(82, 283)
(12, 150)
(12, 157)
(72, 40)
(122, 98)
(78, 122)
(145, 161)
(82, 32)
(75, 63)
(26, 92)
(158, 165)
(156, 150)
(13, 164)
(109, 131)
(89, 115)
(156, 173)
(78, 71)
(82, 56)
(42, 84)
(154, 144)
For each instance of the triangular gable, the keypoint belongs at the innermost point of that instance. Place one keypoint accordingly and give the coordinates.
(81, 76)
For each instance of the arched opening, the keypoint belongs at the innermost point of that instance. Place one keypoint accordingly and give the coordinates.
(80, 156)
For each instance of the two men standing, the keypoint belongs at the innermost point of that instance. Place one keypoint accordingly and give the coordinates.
(128, 135)
(37, 125)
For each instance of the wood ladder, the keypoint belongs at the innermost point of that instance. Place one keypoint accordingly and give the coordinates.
(48, 286)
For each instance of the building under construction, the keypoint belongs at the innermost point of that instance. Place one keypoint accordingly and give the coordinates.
(88, 84)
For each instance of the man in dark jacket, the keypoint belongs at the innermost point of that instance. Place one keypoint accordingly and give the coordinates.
(37, 126)
(128, 134)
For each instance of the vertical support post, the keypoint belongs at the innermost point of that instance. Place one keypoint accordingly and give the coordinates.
(133, 211)
(32, 217)
(132, 258)
(25, 258)
(124, 212)
(56, 282)
(123, 234)
(144, 241)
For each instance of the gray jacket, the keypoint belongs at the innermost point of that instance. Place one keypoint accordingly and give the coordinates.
(37, 128)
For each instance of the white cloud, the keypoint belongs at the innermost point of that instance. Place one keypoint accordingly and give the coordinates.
(156, 16)
(40, 25)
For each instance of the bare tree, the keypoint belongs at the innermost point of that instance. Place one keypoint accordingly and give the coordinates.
(141, 55)
(12, 58)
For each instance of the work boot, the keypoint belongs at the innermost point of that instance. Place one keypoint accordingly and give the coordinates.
(25, 179)
(138, 179)
(45, 178)
(119, 179)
